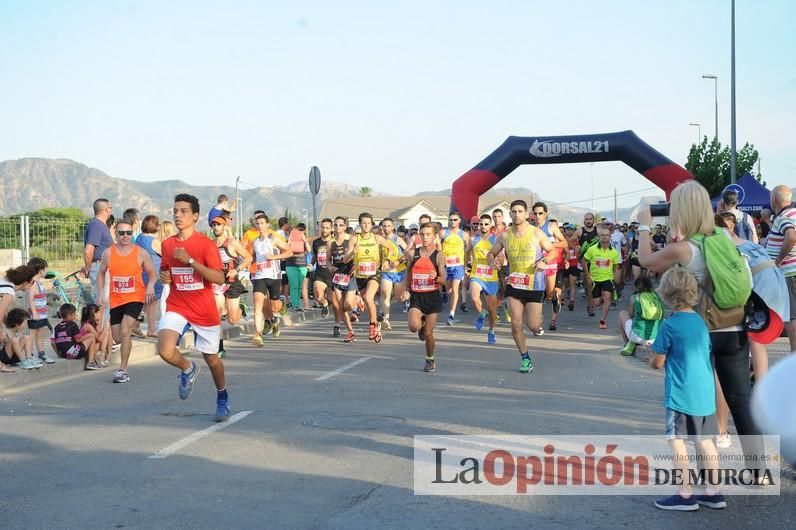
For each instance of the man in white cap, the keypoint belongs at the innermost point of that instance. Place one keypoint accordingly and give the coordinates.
(618, 242)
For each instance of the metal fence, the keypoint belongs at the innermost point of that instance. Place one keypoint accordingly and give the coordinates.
(58, 240)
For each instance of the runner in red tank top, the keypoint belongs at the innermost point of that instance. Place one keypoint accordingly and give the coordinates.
(426, 273)
(124, 262)
(191, 264)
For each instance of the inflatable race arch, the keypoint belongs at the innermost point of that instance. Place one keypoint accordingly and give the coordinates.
(623, 146)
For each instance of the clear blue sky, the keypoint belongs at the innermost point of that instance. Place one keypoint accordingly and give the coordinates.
(400, 96)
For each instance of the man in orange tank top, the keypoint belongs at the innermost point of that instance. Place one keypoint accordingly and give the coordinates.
(124, 263)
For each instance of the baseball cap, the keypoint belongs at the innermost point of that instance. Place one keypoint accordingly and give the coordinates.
(474, 219)
(608, 220)
(220, 219)
(764, 325)
(413, 226)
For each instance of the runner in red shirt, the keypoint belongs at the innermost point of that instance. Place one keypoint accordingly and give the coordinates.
(426, 274)
(191, 264)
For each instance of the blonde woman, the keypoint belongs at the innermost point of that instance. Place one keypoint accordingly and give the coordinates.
(691, 214)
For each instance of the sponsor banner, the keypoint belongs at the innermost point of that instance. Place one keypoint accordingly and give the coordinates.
(593, 465)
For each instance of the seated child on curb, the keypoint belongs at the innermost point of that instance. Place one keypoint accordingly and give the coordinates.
(18, 346)
(639, 325)
(69, 342)
(683, 346)
(91, 325)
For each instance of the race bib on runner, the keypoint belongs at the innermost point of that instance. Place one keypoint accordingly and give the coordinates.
(602, 263)
(572, 254)
(123, 284)
(423, 283)
(484, 270)
(322, 261)
(367, 268)
(186, 279)
(520, 281)
(341, 279)
(263, 266)
(453, 261)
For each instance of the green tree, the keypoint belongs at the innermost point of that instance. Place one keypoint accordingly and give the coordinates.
(365, 191)
(709, 162)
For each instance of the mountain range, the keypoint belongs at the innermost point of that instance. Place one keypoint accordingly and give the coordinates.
(29, 184)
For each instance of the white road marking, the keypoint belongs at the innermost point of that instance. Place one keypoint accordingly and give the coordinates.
(198, 435)
(342, 369)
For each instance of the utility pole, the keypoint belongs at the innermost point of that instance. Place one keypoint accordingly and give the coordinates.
(733, 168)
(616, 209)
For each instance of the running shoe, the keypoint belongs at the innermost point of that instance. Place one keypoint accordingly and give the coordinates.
(387, 324)
(275, 328)
(552, 326)
(297, 310)
(336, 331)
(283, 311)
(498, 318)
(379, 317)
(431, 365)
(490, 337)
(267, 327)
(715, 501)
(406, 307)
(351, 337)
(354, 317)
(603, 325)
(222, 354)
(116, 346)
(629, 349)
(526, 365)
(26, 364)
(325, 311)
(121, 377)
(591, 312)
(678, 503)
(222, 409)
(89, 366)
(556, 304)
(479, 322)
(38, 364)
(451, 320)
(538, 332)
(187, 380)
(43, 357)
(463, 308)
(372, 331)
(508, 314)
(257, 340)
(571, 306)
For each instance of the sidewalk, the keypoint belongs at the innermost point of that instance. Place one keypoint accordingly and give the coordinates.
(144, 350)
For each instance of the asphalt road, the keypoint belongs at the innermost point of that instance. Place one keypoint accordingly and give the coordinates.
(327, 438)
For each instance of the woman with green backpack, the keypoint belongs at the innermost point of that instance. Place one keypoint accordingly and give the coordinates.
(639, 324)
(723, 279)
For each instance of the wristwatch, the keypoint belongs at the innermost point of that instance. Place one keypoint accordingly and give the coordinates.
(190, 261)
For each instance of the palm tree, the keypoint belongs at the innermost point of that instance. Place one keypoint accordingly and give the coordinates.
(365, 191)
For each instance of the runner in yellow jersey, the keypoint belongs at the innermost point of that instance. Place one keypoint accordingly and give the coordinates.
(366, 253)
(454, 241)
(393, 269)
(526, 280)
(602, 262)
(483, 276)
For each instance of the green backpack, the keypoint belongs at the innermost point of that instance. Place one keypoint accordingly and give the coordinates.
(729, 272)
(651, 306)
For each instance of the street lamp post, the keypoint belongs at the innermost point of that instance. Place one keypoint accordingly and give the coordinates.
(716, 100)
(699, 129)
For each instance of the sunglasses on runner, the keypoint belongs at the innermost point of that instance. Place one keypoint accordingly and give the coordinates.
(339, 224)
(124, 232)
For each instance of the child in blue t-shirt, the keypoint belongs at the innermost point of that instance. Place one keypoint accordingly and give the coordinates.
(683, 346)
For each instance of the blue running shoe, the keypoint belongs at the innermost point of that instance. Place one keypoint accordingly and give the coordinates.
(187, 381)
(222, 409)
(479, 322)
(678, 503)
(490, 337)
